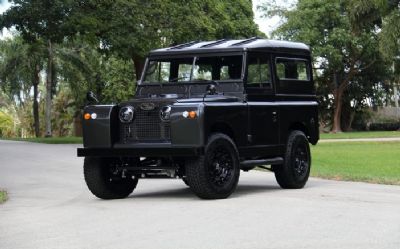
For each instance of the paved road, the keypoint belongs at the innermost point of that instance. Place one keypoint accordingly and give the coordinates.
(50, 207)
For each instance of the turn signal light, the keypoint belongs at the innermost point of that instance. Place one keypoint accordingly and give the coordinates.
(87, 116)
(192, 114)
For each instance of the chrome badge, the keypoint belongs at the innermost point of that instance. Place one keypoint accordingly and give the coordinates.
(147, 106)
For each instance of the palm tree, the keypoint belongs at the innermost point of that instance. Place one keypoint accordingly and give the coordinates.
(20, 67)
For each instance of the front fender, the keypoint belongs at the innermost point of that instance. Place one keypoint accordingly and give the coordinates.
(101, 131)
(186, 131)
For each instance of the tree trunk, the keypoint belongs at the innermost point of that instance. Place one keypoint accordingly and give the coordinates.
(49, 89)
(351, 119)
(138, 64)
(337, 113)
(35, 84)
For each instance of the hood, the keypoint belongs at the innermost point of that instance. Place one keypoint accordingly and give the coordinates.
(169, 100)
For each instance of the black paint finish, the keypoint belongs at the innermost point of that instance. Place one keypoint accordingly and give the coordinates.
(257, 118)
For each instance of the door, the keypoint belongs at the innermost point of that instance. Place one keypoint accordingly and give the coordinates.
(263, 112)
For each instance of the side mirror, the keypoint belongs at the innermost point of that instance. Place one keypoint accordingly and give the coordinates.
(211, 89)
(91, 97)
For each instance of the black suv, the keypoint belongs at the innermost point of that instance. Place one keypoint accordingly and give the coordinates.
(202, 112)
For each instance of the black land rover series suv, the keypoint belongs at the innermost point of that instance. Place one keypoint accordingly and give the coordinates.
(202, 112)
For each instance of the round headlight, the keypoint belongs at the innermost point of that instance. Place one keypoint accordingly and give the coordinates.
(165, 113)
(126, 114)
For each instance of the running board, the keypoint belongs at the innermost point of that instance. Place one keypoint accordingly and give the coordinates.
(253, 163)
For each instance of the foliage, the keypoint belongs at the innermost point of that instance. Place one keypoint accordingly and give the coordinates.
(3, 196)
(83, 68)
(63, 112)
(345, 49)
(90, 45)
(20, 65)
(389, 13)
(40, 19)
(6, 125)
(17, 63)
(387, 126)
(50, 140)
(129, 29)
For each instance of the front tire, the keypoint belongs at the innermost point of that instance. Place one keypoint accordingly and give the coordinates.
(104, 182)
(216, 174)
(294, 172)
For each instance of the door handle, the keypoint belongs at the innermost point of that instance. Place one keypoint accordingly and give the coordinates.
(274, 116)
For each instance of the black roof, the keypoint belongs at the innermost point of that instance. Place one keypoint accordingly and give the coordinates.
(227, 45)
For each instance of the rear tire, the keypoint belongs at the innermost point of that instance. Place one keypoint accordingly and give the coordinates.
(103, 183)
(215, 174)
(294, 172)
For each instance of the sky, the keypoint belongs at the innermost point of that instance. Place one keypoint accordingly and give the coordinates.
(266, 25)
(3, 6)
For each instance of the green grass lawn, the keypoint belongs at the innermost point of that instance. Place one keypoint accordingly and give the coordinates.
(51, 140)
(360, 134)
(3, 196)
(375, 162)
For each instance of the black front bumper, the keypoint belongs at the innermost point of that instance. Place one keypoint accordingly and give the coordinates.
(141, 152)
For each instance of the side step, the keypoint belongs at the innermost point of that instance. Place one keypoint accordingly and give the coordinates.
(248, 164)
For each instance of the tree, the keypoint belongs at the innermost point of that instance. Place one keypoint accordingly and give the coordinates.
(343, 45)
(43, 20)
(82, 68)
(20, 66)
(130, 29)
(389, 12)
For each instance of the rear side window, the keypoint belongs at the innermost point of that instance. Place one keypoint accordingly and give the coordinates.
(292, 69)
(293, 76)
(258, 71)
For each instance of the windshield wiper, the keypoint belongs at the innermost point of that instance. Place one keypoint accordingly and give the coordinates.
(178, 78)
(207, 81)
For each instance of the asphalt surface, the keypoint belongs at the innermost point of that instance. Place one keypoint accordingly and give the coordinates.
(50, 207)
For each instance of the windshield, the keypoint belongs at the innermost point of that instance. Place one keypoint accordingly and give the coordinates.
(192, 69)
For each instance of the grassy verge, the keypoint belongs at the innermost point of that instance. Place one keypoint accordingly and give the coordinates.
(3, 196)
(51, 140)
(360, 134)
(375, 162)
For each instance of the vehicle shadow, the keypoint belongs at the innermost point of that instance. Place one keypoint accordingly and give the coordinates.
(186, 193)
(247, 189)
(183, 192)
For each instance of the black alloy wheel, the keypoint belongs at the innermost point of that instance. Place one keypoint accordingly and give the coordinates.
(215, 174)
(295, 170)
(220, 166)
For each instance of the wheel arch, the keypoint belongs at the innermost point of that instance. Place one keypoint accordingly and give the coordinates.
(224, 128)
(299, 126)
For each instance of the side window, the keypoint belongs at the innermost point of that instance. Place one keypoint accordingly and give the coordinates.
(292, 69)
(258, 71)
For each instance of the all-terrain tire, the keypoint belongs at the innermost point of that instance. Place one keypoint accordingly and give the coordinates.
(215, 174)
(102, 184)
(294, 172)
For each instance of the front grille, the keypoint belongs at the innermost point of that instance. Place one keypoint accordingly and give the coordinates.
(146, 126)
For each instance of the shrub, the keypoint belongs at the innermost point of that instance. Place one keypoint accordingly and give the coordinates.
(6, 125)
(392, 126)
